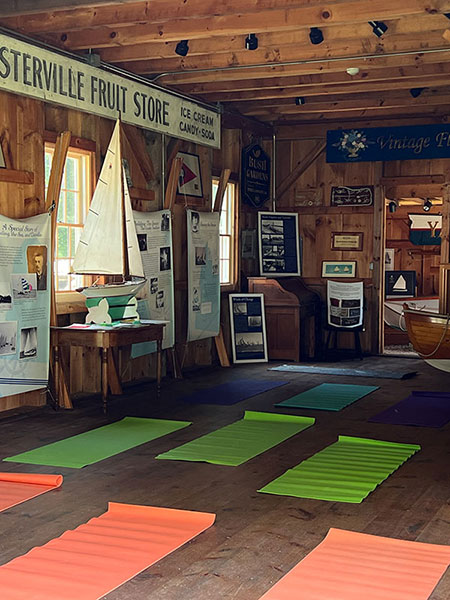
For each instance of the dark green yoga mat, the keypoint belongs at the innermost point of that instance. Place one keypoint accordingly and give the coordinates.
(328, 396)
(234, 444)
(98, 444)
(346, 471)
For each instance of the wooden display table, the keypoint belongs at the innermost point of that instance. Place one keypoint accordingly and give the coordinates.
(104, 339)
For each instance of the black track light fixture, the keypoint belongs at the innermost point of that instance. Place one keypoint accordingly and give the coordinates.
(315, 35)
(251, 41)
(379, 28)
(415, 92)
(427, 205)
(392, 206)
(299, 100)
(182, 48)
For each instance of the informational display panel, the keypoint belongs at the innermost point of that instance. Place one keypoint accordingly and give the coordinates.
(154, 233)
(25, 285)
(248, 328)
(203, 275)
(345, 303)
(279, 253)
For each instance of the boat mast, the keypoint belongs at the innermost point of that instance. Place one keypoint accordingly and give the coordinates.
(125, 265)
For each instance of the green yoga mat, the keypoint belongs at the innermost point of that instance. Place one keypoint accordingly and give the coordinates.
(236, 443)
(346, 471)
(98, 444)
(328, 396)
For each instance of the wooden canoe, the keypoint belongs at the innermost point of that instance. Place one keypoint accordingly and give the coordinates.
(429, 334)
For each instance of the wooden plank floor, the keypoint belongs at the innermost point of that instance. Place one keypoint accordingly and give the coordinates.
(257, 537)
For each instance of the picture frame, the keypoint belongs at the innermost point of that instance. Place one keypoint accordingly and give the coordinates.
(248, 243)
(389, 259)
(248, 328)
(279, 244)
(190, 180)
(350, 241)
(400, 284)
(339, 268)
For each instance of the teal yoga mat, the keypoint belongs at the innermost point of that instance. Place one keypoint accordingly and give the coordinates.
(98, 444)
(346, 471)
(234, 444)
(328, 396)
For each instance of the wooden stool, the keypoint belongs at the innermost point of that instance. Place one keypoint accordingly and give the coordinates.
(336, 330)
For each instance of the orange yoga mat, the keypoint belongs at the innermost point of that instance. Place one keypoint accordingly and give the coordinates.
(95, 558)
(18, 487)
(356, 566)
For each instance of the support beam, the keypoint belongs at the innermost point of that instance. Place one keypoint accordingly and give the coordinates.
(223, 182)
(22, 7)
(301, 167)
(172, 185)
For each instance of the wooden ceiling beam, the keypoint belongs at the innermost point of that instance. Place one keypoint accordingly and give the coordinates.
(342, 12)
(22, 7)
(335, 120)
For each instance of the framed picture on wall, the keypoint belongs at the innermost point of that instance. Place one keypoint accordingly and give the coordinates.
(190, 180)
(347, 241)
(248, 328)
(339, 268)
(279, 244)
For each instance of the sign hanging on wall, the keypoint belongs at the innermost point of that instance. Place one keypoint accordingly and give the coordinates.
(255, 184)
(352, 195)
(388, 143)
(279, 252)
(46, 75)
(425, 230)
(248, 328)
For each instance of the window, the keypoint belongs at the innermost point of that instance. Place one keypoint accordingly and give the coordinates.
(227, 232)
(76, 191)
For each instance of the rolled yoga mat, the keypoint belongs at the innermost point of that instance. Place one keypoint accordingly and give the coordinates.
(356, 566)
(98, 444)
(234, 444)
(328, 396)
(360, 372)
(16, 488)
(423, 409)
(346, 471)
(233, 391)
(97, 557)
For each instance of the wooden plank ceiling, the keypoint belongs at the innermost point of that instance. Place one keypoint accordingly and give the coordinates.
(287, 79)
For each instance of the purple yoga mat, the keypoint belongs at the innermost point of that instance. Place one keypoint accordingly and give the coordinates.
(233, 391)
(423, 409)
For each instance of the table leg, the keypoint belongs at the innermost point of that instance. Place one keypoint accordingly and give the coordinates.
(105, 379)
(158, 367)
(56, 374)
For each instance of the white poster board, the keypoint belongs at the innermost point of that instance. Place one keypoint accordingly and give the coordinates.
(345, 303)
(203, 275)
(248, 328)
(154, 233)
(24, 304)
(279, 251)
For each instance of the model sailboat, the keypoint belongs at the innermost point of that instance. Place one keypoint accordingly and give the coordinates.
(108, 244)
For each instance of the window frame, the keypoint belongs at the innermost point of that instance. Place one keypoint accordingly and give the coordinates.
(234, 245)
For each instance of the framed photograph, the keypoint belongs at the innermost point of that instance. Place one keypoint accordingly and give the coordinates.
(190, 180)
(339, 268)
(279, 244)
(248, 328)
(347, 241)
(389, 259)
(400, 284)
(248, 243)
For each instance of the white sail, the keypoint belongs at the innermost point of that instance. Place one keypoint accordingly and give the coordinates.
(100, 250)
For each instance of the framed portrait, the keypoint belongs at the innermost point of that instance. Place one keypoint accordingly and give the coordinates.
(347, 241)
(190, 180)
(339, 268)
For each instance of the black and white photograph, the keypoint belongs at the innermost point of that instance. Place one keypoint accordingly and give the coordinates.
(249, 342)
(215, 269)
(28, 342)
(200, 255)
(142, 241)
(273, 265)
(240, 308)
(195, 222)
(254, 321)
(165, 222)
(153, 285)
(272, 226)
(160, 299)
(37, 263)
(23, 286)
(164, 259)
(196, 301)
(5, 296)
(273, 251)
(8, 337)
(270, 240)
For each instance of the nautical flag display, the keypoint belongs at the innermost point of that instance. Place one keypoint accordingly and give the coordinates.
(425, 230)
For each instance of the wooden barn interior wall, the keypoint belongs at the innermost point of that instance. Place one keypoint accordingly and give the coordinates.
(310, 196)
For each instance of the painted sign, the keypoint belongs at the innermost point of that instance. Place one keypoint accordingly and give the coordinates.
(32, 71)
(190, 180)
(352, 195)
(425, 230)
(388, 143)
(255, 176)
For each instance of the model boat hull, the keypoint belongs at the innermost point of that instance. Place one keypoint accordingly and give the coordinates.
(113, 290)
(429, 334)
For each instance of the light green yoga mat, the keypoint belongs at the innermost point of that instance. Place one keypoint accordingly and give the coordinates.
(98, 444)
(346, 471)
(328, 396)
(236, 443)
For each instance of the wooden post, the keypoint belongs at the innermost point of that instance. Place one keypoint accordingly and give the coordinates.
(172, 185)
(379, 228)
(223, 182)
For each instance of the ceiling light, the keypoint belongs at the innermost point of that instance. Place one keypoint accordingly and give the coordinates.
(415, 92)
(353, 70)
(299, 100)
(182, 48)
(379, 28)
(251, 41)
(315, 35)
(427, 205)
(392, 206)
